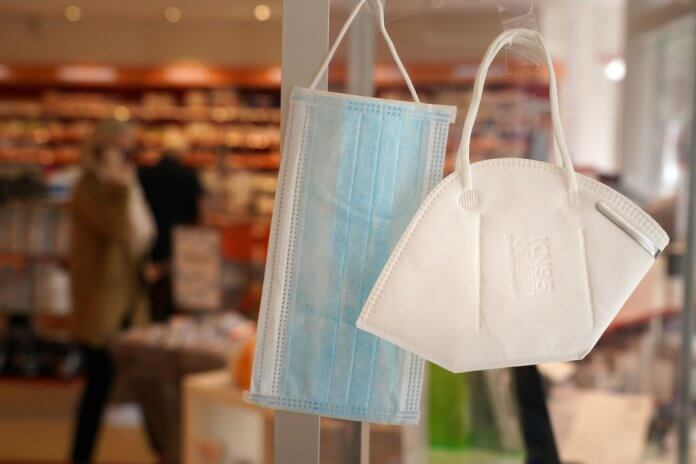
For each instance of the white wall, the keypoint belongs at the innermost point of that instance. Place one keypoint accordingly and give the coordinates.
(586, 34)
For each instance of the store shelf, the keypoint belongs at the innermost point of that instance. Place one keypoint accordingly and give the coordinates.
(510, 71)
(638, 318)
(203, 76)
(91, 110)
(198, 159)
(23, 259)
(168, 76)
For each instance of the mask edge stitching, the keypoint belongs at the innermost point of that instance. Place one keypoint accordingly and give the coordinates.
(282, 328)
(265, 307)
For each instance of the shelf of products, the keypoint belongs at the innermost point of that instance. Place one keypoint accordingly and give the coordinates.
(214, 124)
(233, 140)
(185, 76)
(33, 247)
(230, 122)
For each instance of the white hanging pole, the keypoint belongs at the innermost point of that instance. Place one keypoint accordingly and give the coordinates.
(361, 57)
(361, 54)
(689, 273)
(305, 44)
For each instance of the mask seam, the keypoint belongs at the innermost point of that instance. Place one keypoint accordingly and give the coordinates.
(320, 405)
(375, 108)
(418, 384)
(364, 268)
(431, 179)
(437, 172)
(380, 343)
(425, 190)
(276, 227)
(447, 111)
(291, 259)
(343, 258)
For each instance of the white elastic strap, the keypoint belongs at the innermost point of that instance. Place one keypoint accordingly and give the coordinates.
(387, 39)
(463, 161)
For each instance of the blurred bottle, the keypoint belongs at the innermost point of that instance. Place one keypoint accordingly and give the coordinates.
(450, 421)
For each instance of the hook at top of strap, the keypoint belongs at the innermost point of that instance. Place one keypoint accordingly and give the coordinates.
(387, 39)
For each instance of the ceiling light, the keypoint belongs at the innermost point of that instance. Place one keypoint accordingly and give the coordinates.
(73, 13)
(172, 14)
(187, 74)
(615, 69)
(122, 113)
(262, 12)
(85, 73)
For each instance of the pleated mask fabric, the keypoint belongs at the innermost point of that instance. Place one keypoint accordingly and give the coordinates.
(353, 173)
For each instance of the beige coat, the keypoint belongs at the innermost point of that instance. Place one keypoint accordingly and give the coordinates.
(106, 282)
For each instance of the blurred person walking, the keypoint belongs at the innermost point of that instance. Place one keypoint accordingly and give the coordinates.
(112, 231)
(173, 193)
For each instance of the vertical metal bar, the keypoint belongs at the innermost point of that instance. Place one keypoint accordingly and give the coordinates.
(688, 307)
(296, 438)
(305, 44)
(364, 443)
(361, 56)
(358, 446)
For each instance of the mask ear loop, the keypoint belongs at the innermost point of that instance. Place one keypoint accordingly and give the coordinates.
(387, 39)
(463, 163)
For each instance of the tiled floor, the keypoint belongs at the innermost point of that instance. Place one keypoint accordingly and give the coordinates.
(36, 426)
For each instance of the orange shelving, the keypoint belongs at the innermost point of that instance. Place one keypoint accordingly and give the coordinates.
(267, 77)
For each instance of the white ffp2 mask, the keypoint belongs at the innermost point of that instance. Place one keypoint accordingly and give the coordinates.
(511, 262)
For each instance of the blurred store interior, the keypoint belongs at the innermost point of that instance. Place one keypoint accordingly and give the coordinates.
(199, 83)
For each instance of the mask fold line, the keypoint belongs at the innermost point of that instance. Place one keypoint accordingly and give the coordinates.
(373, 340)
(343, 258)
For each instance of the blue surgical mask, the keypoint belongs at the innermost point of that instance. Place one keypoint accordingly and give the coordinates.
(354, 171)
